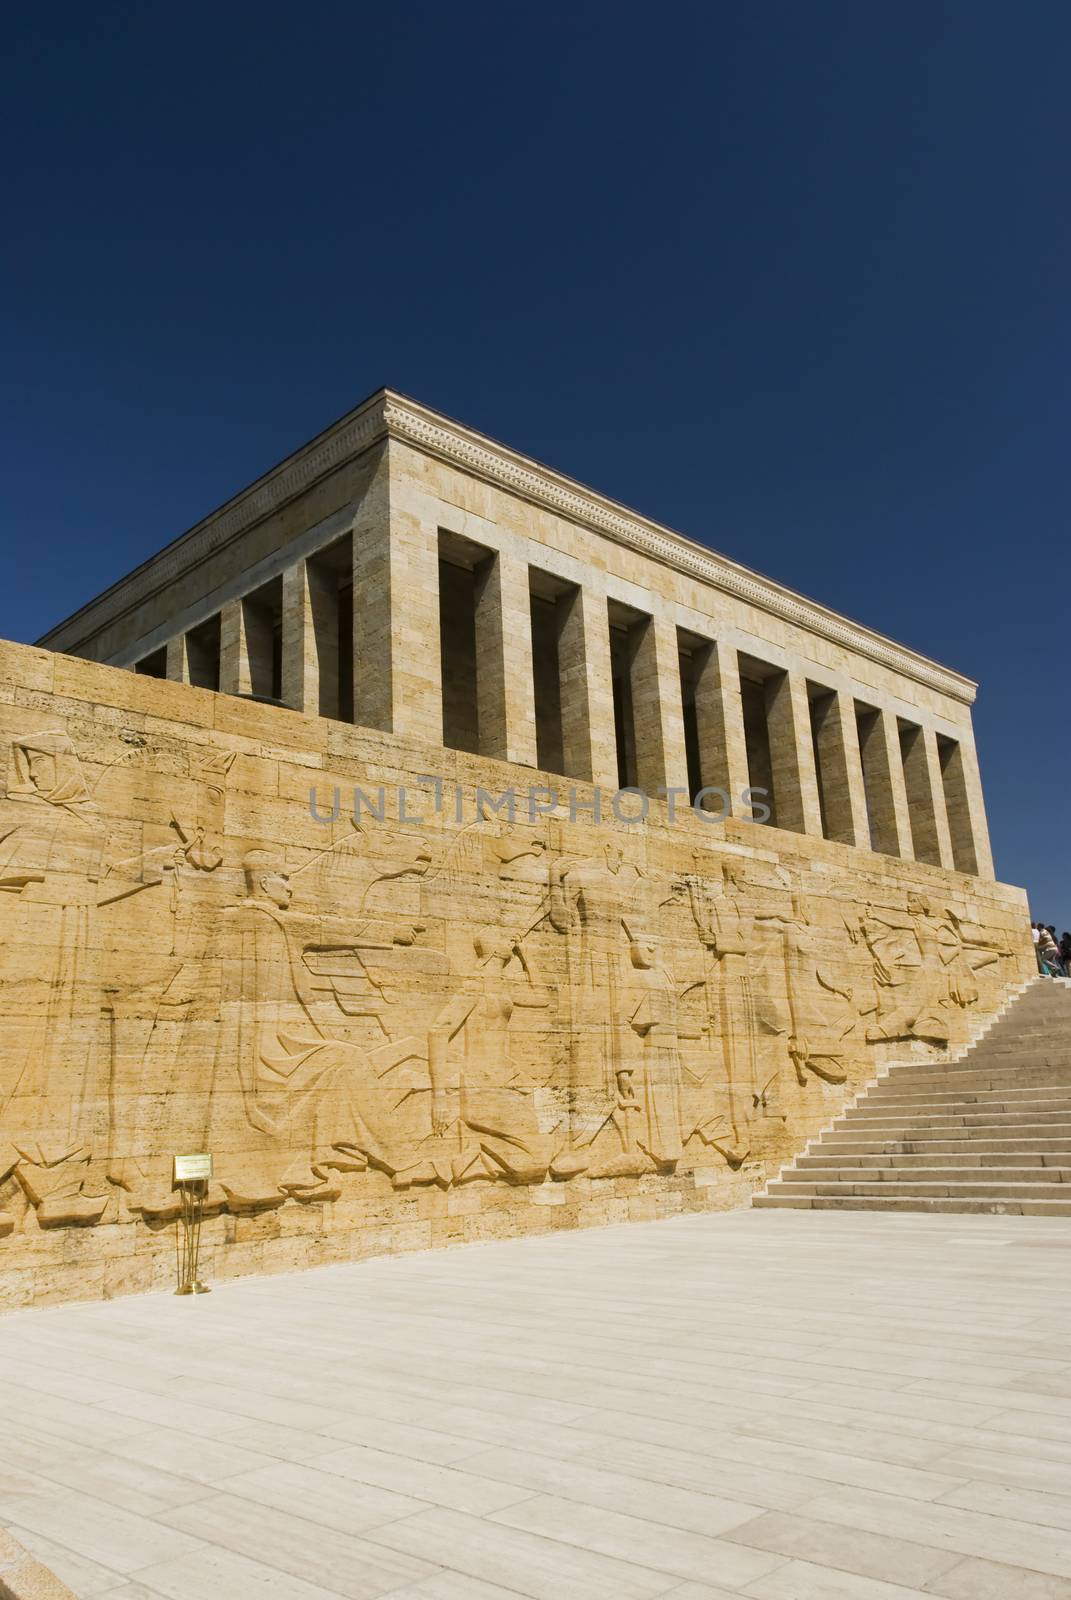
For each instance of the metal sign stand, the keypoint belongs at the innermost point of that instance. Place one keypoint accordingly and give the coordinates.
(190, 1177)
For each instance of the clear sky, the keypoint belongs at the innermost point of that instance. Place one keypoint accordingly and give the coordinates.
(791, 278)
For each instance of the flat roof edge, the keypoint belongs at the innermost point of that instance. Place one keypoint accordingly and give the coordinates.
(389, 414)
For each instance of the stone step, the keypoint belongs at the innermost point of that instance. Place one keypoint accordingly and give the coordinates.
(974, 1066)
(954, 1119)
(1013, 1120)
(1051, 1034)
(1046, 1100)
(1008, 1086)
(838, 1145)
(1022, 1161)
(855, 1170)
(988, 1132)
(967, 1095)
(938, 1204)
(1016, 1045)
(867, 1184)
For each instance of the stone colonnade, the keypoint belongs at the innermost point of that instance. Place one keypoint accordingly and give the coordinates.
(436, 637)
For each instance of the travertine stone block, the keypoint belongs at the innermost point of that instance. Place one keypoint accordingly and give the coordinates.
(795, 783)
(178, 661)
(973, 821)
(720, 725)
(943, 837)
(886, 790)
(837, 744)
(234, 674)
(587, 689)
(922, 781)
(658, 715)
(504, 677)
(310, 640)
(397, 669)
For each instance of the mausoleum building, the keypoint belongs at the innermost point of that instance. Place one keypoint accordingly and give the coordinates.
(409, 575)
(447, 852)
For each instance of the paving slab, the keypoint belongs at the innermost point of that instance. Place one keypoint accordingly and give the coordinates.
(777, 1404)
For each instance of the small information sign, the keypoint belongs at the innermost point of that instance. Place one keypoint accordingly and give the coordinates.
(192, 1169)
(190, 1175)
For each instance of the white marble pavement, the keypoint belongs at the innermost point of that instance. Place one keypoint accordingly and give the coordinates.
(787, 1406)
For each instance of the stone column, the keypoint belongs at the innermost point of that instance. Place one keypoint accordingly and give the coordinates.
(178, 660)
(245, 648)
(397, 671)
(885, 787)
(657, 708)
(234, 677)
(310, 643)
(843, 793)
(972, 827)
(925, 800)
(942, 833)
(795, 783)
(589, 748)
(719, 719)
(505, 685)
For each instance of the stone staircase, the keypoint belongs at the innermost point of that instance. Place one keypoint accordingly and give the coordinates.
(987, 1131)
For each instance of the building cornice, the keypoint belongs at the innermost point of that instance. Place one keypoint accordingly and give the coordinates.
(387, 414)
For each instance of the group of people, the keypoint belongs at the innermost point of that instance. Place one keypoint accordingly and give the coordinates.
(1054, 957)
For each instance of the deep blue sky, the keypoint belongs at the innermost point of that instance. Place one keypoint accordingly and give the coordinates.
(791, 278)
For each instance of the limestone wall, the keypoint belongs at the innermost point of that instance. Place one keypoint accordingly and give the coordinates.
(437, 1026)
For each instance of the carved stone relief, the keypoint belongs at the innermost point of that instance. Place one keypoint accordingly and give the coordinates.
(415, 1008)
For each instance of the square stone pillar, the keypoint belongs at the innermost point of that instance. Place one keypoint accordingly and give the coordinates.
(397, 670)
(946, 857)
(310, 640)
(795, 782)
(178, 660)
(589, 748)
(658, 708)
(922, 780)
(843, 794)
(962, 774)
(245, 648)
(719, 719)
(883, 771)
(505, 684)
(234, 674)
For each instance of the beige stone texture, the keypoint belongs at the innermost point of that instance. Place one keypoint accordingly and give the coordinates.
(22, 1577)
(587, 690)
(656, 692)
(505, 683)
(178, 660)
(308, 683)
(838, 753)
(795, 781)
(425, 1026)
(720, 728)
(397, 671)
(396, 477)
(886, 790)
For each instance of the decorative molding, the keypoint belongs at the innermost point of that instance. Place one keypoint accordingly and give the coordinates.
(390, 415)
(542, 486)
